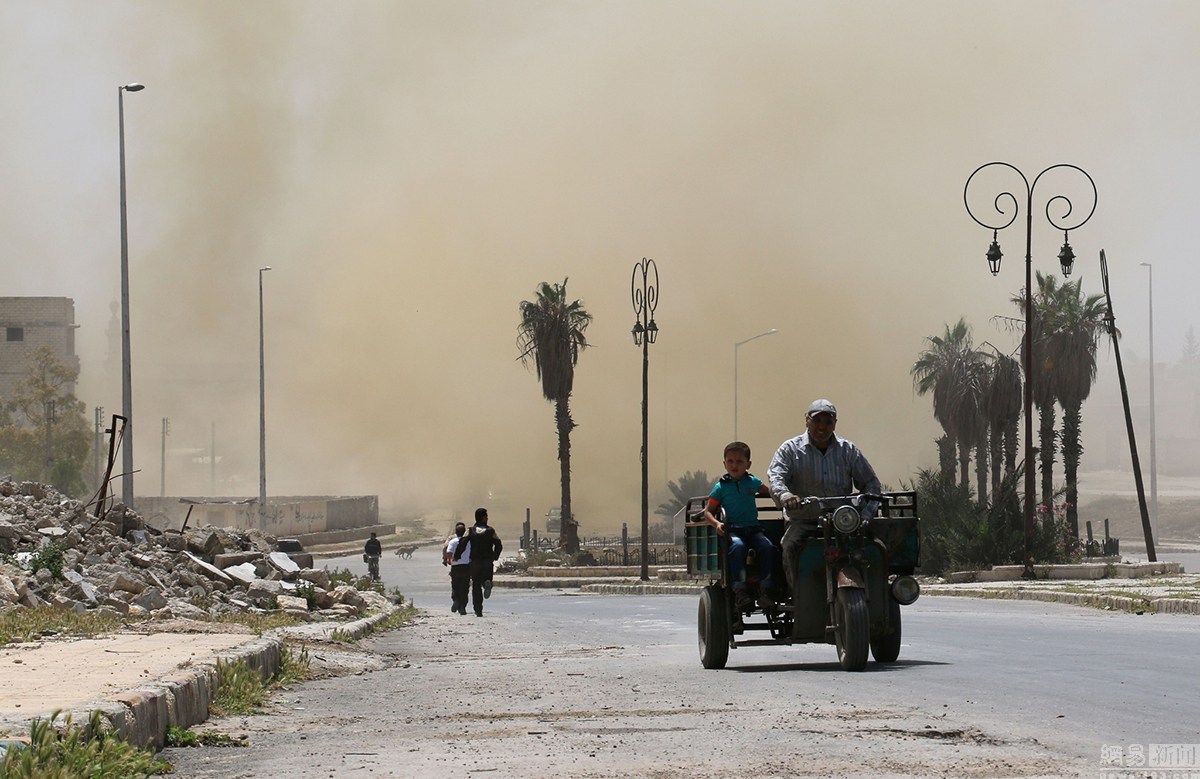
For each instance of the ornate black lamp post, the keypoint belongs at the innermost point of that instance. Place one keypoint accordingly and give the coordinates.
(645, 332)
(1066, 258)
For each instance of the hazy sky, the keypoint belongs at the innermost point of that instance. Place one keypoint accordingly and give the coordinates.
(413, 170)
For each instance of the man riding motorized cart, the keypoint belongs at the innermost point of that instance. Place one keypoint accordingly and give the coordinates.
(846, 564)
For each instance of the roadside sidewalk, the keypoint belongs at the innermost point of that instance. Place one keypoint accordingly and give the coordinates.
(1133, 587)
(141, 683)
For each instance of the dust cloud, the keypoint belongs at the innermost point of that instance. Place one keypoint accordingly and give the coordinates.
(412, 171)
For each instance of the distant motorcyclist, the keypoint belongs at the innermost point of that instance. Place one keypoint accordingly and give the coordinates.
(372, 551)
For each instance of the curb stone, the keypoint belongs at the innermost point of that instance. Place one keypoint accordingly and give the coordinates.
(143, 714)
(1133, 605)
(1109, 602)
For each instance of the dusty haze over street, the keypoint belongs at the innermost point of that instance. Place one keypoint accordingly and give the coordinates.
(412, 171)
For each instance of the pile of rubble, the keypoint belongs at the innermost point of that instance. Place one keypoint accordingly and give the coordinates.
(119, 565)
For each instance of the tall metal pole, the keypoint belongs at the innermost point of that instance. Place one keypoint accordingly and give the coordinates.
(1110, 321)
(1153, 438)
(212, 461)
(48, 411)
(645, 332)
(97, 437)
(126, 369)
(1066, 257)
(262, 409)
(735, 377)
(162, 471)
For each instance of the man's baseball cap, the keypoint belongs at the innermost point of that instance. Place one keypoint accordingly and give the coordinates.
(822, 406)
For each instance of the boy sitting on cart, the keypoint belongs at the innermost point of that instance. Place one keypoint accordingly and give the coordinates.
(736, 492)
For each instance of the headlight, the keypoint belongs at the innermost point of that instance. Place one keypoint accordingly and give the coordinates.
(846, 519)
(905, 590)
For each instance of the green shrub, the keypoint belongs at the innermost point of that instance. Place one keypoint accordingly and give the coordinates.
(183, 737)
(72, 752)
(958, 533)
(341, 576)
(30, 624)
(240, 689)
(293, 666)
(50, 557)
(309, 593)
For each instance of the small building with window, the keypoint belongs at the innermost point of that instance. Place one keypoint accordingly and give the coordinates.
(30, 322)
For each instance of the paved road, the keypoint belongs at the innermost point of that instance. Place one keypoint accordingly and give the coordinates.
(557, 684)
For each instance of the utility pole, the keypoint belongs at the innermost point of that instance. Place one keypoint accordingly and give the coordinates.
(162, 473)
(48, 405)
(97, 439)
(212, 463)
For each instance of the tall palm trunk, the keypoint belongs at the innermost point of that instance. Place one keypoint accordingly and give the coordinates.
(946, 447)
(1010, 445)
(996, 453)
(964, 464)
(1072, 450)
(1047, 441)
(568, 534)
(981, 466)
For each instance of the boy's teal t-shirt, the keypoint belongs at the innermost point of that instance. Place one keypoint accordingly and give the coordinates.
(738, 499)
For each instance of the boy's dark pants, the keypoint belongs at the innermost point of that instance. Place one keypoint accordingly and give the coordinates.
(460, 585)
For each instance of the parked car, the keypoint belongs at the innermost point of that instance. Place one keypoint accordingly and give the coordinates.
(554, 520)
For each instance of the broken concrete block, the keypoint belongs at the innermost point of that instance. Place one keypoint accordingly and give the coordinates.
(227, 559)
(284, 563)
(151, 599)
(292, 603)
(211, 571)
(319, 577)
(85, 589)
(126, 584)
(244, 573)
(8, 592)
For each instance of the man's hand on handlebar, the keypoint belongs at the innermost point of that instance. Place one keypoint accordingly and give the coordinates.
(793, 502)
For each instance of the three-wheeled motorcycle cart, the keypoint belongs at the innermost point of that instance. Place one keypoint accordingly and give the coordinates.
(851, 573)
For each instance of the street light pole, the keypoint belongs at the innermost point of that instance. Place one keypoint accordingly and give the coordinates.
(126, 370)
(735, 377)
(162, 472)
(262, 409)
(645, 332)
(1066, 258)
(1153, 440)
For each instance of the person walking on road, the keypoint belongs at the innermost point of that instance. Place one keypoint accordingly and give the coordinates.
(460, 570)
(485, 547)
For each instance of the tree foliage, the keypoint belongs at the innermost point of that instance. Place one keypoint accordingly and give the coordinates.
(44, 432)
(551, 336)
(690, 485)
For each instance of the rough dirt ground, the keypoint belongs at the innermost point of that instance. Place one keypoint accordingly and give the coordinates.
(451, 696)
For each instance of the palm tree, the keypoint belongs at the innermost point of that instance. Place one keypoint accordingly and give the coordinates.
(1001, 406)
(1075, 325)
(691, 484)
(551, 335)
(949, 369)
(1044, 386)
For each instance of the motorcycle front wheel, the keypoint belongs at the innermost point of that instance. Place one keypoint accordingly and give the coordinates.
(852, 628)
(713, 627)
(885, 649)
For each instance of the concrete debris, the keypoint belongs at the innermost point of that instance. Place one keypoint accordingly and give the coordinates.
(53, 552)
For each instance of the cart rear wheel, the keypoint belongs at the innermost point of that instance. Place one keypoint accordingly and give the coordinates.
(885, 649)
(852, 628)
(714, 628)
